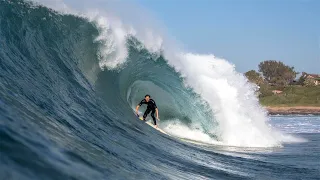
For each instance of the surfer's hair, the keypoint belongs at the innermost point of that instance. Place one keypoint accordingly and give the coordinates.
(147, 96)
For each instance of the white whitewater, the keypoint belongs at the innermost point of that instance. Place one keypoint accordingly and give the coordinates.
(242, 121)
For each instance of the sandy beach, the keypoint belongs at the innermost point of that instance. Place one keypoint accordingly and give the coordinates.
(294, 110)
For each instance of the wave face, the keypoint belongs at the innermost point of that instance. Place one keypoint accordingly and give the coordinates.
(201, 97)
(70, 81)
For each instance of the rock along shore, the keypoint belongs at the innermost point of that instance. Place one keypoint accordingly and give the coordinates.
(273, 110)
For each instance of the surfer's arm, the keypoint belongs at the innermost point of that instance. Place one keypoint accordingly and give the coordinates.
(157, 113)
(137, 108)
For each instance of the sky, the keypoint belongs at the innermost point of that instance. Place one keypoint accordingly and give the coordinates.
(245, 32)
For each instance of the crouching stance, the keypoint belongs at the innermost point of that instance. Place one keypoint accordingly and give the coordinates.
(152, 107)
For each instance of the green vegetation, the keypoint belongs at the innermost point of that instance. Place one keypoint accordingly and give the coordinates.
(279, 88)
(255, 77)
(293, 96)
(277, 73)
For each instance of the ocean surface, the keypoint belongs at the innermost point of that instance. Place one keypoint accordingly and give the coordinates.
(70, 78)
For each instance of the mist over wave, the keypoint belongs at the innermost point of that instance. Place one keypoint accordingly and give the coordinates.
(69, 82)
(232, 113)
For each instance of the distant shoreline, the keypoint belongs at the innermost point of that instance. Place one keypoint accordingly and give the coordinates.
(292, 110)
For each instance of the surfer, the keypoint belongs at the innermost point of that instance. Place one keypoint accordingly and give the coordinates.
(152, 107)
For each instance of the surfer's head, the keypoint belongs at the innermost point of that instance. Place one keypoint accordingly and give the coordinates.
(147, 97)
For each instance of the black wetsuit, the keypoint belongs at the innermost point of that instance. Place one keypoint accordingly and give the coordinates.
(150, 108)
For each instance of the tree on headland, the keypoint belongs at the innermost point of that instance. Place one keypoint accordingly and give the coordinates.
(276, 85)
(254, 77)
(277, 73)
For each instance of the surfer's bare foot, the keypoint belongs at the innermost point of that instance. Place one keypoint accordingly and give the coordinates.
(156, 126)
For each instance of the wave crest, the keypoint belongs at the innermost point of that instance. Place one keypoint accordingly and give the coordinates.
(221, 102)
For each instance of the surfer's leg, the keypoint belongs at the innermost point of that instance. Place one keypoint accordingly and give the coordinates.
(146, 113)
(152, 115)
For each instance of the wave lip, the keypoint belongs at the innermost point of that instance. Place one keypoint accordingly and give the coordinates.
(62, 113)
(235, 116)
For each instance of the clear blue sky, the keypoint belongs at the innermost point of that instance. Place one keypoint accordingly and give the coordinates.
(245, 32)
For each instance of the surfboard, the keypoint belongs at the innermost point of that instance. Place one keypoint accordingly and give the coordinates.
(150, 124)
(181, 139)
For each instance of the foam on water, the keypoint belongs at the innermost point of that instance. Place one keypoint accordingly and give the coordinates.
(241, 120)
(180, 130)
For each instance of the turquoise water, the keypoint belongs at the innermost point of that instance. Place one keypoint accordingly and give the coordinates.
(62, 117)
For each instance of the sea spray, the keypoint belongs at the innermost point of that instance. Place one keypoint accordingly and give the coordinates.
(231, 99)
